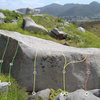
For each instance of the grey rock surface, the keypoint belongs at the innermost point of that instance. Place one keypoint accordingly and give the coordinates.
(77, 95)
(58, 34)
(30, 25)
(2, 16)
(50, 63)
(44, 94)
(81, 29)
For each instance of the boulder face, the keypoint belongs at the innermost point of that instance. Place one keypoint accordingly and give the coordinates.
(77, 95)
(59, 34)
(30, 25)
(49, 63)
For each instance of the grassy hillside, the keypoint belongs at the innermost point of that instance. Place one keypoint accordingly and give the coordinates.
(77, 38)
(93, 27)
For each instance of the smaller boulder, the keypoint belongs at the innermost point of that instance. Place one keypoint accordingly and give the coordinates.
(2, 16)
(30, 25)
(13, 21)
(66, 24)
(81, 29)
(62, 28)
(44, 94)
(58, 34)
(4, 87)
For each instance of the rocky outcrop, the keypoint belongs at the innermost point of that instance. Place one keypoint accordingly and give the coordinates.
(2, 16)
(81, 29)
(77, 95)
(30, 25)
(59, 34)
(30, 11)
(49, 64)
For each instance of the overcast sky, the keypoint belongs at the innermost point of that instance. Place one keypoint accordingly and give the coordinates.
(15, 4)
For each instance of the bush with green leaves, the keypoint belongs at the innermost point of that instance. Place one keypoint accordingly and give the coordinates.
(15, 92)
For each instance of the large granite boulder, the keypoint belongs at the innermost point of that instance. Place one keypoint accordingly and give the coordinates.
(30, 25)
(77, 95)
(50, 63)
(59, 34)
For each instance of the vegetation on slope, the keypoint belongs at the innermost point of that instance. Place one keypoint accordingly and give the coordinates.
(77, 38)
(93, 27)
(15, 92)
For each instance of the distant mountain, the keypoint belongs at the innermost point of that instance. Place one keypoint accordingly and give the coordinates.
(71, 9)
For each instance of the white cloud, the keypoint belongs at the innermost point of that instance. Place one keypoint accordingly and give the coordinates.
(10, 4)
(58, 2)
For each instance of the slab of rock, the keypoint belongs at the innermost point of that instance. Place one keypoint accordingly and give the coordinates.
(77, 95)
(81, 29)
(2, 16)
(30, 25)
(58, 34)
(50, 63)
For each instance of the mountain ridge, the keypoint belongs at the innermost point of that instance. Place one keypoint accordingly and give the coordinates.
(71, 9)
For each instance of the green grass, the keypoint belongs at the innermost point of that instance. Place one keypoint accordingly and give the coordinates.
(15, 92)
(77, 39)
(10, 15)
(93, 27)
